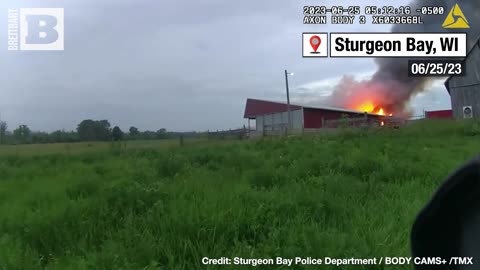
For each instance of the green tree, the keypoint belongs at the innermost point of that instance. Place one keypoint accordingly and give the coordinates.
(117, 134)
(3, 131)
(90, 130)
(103, 130)
(133, 131)
(22, 134)
(148, 135)
(63, 136)
(40, 137)
(161, 133)
(86, 130)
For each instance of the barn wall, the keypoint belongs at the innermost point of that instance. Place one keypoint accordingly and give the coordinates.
(465, 91)
(443, 114)
(259, 122)
(268, 119)
(467, 96)
(279, 119)
(297, 119)
(313, 117)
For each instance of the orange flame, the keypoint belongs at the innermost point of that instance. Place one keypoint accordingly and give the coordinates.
(369, 107)
(382, 123)
(366, 107)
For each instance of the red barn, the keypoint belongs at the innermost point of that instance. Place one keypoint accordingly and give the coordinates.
(273, 115)
(443, 114)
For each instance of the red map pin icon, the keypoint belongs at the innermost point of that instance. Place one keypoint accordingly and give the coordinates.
(315, 42)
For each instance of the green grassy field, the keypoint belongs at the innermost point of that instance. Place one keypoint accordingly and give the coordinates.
(89, 147)
(353, 194)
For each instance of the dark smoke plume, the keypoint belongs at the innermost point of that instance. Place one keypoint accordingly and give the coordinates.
(390, 85)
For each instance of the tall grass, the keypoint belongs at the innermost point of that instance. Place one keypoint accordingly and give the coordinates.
(353, 194)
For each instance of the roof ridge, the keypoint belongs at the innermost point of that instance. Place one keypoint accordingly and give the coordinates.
(278, 102)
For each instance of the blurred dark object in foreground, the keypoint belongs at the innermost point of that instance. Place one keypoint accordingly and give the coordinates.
(449, 225)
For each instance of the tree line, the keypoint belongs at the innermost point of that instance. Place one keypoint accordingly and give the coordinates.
(87, 130)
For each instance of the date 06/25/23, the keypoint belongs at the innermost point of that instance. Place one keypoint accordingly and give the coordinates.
(438, 68)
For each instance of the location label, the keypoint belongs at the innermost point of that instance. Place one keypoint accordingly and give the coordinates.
(315, 42)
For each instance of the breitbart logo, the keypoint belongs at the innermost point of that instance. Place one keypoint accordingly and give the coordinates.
(36, 29)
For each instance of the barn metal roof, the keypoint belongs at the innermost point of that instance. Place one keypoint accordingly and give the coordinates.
(464, 59)
(257, 107)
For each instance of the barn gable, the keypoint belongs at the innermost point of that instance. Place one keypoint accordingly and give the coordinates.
(465, 91)
(472, 76)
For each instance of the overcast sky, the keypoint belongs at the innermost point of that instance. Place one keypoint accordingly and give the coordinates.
(177, 64)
